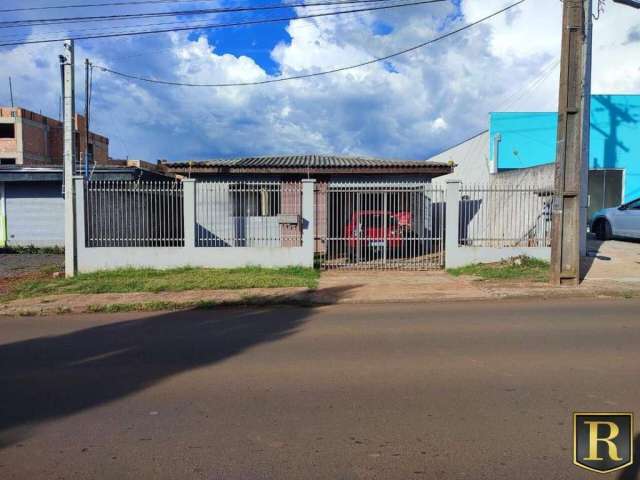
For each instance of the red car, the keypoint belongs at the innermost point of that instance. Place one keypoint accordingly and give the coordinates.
(365, 233)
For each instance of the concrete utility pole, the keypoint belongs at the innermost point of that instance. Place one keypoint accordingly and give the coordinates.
(68, 81)
(569, 235)
(87, 67)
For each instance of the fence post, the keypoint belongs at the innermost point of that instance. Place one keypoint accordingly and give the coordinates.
(452, 227)
(308, 218)
(80, 222)
(189, 212)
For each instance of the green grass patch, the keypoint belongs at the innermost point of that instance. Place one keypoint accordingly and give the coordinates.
(174, 280)
(518, 268)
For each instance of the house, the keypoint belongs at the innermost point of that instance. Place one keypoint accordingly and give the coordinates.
(348, 189)
(29, 138)
(520, 148)
(31, 199)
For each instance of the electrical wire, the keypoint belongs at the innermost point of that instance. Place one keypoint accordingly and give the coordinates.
(511, 100)
(174, 13)
(219, 25)
(92, 5)
(195, 23)
(315, 74)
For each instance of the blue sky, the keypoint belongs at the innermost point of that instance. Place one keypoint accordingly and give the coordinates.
(410, 107)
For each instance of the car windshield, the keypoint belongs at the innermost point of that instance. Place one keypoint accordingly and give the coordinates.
(376, 220)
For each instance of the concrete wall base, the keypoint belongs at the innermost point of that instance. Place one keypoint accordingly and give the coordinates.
(106, 258)
(462, 256)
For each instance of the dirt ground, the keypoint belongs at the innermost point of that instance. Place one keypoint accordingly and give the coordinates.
(14, 266)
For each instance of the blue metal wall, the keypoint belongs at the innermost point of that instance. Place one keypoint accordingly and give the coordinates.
(529, 139)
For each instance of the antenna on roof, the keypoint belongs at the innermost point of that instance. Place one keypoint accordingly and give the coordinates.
(11, 92)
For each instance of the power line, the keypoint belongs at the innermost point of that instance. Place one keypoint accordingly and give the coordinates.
(316, 74)
(91, 5)
(195, 24)
(174, 13)
(219, 25)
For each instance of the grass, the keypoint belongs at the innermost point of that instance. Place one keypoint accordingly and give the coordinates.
(174, 280)
(518, 268)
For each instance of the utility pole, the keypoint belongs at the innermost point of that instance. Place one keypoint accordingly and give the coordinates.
(87, 67)
(569, 212)
(11, 92)
(68, 81)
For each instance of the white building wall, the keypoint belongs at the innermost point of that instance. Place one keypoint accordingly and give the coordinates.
(471, 160)
(511, 215)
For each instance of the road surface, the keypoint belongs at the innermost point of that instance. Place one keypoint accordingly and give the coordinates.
(442, 391)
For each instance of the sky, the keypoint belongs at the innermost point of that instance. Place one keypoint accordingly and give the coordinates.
(410, 107)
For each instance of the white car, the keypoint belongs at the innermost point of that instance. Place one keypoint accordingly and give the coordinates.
(622, 221)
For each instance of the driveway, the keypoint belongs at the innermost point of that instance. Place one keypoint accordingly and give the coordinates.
(475, 390)
(612, 261)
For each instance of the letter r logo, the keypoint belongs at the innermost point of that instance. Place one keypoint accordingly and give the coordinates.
(603, 442)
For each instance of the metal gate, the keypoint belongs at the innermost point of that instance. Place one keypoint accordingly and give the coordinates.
(380, 226)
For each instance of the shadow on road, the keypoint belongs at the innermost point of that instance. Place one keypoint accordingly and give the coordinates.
(49, 377)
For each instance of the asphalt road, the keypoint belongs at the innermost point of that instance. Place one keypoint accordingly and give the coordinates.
(445, 391)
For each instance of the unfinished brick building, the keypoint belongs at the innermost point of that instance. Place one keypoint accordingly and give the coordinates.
(31, 139)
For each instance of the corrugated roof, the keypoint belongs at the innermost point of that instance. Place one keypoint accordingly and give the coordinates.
(307, 161)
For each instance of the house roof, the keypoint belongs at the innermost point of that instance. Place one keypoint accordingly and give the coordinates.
(54, 173)
(309, 163)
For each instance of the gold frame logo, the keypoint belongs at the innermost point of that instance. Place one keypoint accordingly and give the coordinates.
(603, 442)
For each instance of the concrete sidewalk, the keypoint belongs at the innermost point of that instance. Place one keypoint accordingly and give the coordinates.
(612, 270)
(341, 286)
(612, 261)
(336, 287)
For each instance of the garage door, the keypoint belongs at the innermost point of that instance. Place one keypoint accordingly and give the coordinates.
(35, 214)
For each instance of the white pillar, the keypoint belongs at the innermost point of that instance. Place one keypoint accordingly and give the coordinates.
(3, 218)
(452, 227)
(308, 218)
(80, 239)
(189, 211)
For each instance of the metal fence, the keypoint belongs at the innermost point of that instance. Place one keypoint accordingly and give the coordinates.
(248, 214)
(380, 226)
(505, 216)
(133, 214)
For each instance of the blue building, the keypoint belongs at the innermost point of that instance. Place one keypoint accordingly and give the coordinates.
(525, 140)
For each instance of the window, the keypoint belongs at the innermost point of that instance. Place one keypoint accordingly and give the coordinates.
(255, 200)
(7, 161)
(635, 205)
(7, 130)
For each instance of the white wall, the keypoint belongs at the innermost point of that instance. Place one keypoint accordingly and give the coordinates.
(471, 160)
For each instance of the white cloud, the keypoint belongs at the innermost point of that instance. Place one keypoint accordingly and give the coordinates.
(411, 107)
